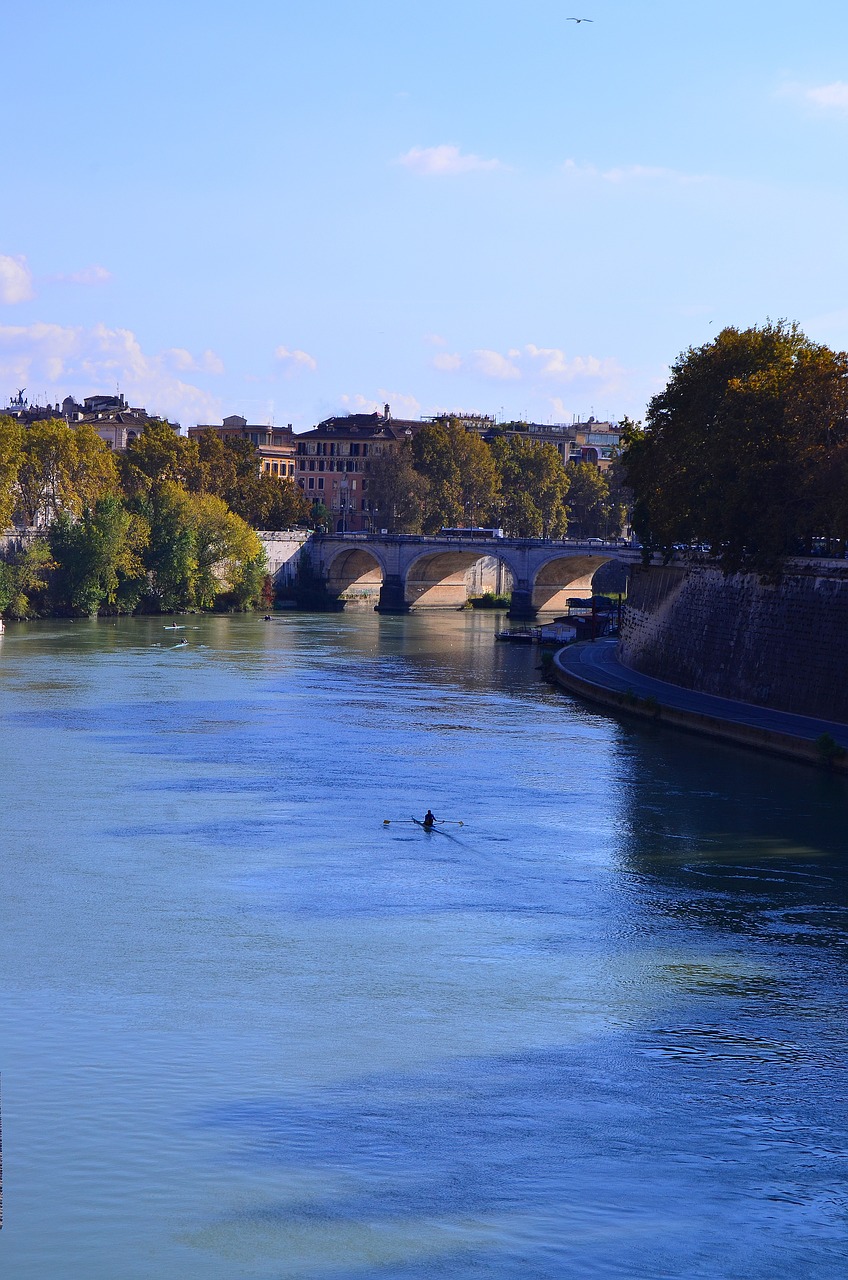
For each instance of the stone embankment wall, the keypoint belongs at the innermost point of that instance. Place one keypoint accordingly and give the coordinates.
(283, 550)
(781, 645)
(14, 540)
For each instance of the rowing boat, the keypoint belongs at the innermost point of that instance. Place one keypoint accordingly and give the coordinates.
(428, 826)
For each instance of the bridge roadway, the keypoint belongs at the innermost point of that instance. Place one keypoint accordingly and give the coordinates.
(405, 571)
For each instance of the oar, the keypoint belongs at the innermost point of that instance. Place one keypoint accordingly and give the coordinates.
(387, 822)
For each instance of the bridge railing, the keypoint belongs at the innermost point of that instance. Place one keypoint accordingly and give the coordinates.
(430, 538)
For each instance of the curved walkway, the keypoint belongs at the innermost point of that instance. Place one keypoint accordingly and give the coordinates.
(593, 671)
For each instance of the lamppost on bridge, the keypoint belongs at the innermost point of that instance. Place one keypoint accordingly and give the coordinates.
(343, 497)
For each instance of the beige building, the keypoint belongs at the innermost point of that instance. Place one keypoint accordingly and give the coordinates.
(274, 445)
(113, 418)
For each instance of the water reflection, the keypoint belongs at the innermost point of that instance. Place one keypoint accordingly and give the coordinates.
(250, 1030)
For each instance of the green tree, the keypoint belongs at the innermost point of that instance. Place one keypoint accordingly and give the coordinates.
(319, 517)
(230, 469)
(158, 456)
(266, 502)
(216, 465)
(588, 500)
(230, 559)
(24, 580)
(98, 558)
(62, 468)
(745, 449)
(170, 557)
(11, 456)
(462, 480)
(396, 492)
(534, 486)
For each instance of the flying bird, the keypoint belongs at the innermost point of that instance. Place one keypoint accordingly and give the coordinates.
(580, 19)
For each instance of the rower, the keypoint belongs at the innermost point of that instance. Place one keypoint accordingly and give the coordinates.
(429, 818)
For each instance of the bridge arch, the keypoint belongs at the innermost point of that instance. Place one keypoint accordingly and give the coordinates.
(444, 579)
(355, 573)
(562, 576)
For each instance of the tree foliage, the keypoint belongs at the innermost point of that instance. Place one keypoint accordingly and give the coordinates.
(588, 500)
(24, 580)
(62, 469)
(462, 480)
(746, 449)
(158, 456)
(230, 469)
(98, 558)
(533, 485)
(11, 454)
(397, 492)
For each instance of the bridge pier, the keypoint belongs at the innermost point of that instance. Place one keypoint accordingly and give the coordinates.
(392, 595)
(521, 606)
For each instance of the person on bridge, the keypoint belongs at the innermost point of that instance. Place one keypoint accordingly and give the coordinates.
(429, 818)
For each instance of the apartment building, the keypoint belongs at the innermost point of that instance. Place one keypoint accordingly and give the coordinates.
(333, 461)
(274, 445)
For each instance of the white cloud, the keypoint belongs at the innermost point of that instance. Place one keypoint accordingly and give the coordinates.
(535, 365)
(295, 361)
(183, 361)
(491, 364)
(401, 405)
(435, 340)
(88, 275)
(80, 362)
(444, 161)
(446, 362)
(833, 97)
(630, 173)
(15, 279)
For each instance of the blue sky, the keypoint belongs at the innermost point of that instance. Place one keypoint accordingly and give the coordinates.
(289, 210)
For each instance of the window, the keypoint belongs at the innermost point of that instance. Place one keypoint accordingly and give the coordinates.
(312, 466)
(275, 467)
(311, 482)
(321, 482)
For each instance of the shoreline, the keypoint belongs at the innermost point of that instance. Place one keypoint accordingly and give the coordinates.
(591, 670)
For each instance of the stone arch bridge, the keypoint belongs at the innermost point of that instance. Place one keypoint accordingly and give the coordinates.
(405, 571)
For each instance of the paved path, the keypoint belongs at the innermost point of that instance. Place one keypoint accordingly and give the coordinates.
(597, 664)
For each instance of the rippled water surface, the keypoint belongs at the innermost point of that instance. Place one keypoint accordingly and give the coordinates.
(250, 1031)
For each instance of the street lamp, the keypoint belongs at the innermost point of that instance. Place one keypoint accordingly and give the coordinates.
(343, 492)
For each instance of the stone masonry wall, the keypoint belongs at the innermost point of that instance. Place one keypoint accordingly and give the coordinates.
(283, 551)
(782, 645)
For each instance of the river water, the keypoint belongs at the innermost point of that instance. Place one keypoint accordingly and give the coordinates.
(248, 1030)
